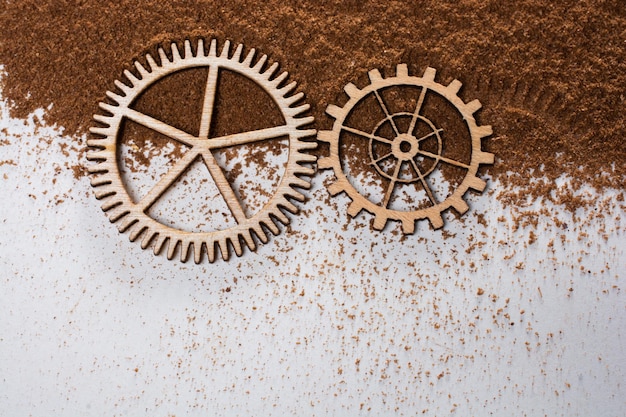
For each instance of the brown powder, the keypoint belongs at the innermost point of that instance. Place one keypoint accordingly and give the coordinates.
(550, 75)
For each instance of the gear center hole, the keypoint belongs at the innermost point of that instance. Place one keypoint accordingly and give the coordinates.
(405, 146)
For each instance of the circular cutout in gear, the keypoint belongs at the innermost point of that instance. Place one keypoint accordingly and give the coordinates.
(403, 150)
(132, 216)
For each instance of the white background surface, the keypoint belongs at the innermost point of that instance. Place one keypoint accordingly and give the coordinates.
(329, 318)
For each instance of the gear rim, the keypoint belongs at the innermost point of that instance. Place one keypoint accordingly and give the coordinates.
(131, 217)
(382, 214)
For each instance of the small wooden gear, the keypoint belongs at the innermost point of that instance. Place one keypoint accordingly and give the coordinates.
(132, 216)
(404, 148)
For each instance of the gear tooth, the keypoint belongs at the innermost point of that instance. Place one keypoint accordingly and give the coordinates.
(122, 87)
(137, 229)
(308, 171)
(335, 188)
(380, 222)
(260, 234)
(351, 90)
(294, 111)
(486, 158)
(300, 183)
(327, 136)
(147, 238)
(197, 252)
(224, 251)
(460, 205)
(225, 49)
(171, 248)
(102, 119)
(408, 226)
(374, 75)
(271, 70)
(188, 51)
(131, 78)
(163, 57)
(306, 145)
(107, 107)
(96, 155)
(237, 246)
(288, 89)
(289, 206)
(151, 62)
(100, 194)
(324, 163)
(259, 64)
(175, 52)
(249, 240)
(141, 69)
(430, 74)
(295, 98)
(100, 180)
(211, 252)
(473, 106)
(436, 220)
(280, 79)
(476, 183)
(99, 143)
(104, 131)
(110, 203)
(271, 226)
(200, 49)
(454, 87)
(158, 244)
(185, 247)
(115, 97)
(249, 58)
(237, 54)
(354, 209)
(117, 213)
(98, 168)
(334, 111)
(281, 217)
(303, 121)
(402, 70)
(484, 131)
(127, 222)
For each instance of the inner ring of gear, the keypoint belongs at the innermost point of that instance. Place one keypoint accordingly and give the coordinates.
(405, 148)
(132, 216)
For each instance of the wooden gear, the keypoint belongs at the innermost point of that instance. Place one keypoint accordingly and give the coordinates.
(405, 148)
(133, 217)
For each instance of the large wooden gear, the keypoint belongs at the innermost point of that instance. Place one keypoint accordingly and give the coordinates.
(404, 148)
(132, 216)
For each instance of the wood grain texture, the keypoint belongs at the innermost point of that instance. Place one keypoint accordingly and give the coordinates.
(133, 216)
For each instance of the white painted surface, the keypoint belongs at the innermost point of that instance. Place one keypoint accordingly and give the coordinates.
(331, 318)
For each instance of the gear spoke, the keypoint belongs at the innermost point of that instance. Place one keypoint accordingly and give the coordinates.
(435, 132)
(167, 180)
(160, 127)
(377, 160)
(429, 192)
(228, 194)
(248, 137)
(418, 109)
(209, 102)
(392, 184)
(444, 159)
(384, 107)
(367, 135)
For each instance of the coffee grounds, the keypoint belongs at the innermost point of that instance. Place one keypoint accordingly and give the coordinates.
(550, 75)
